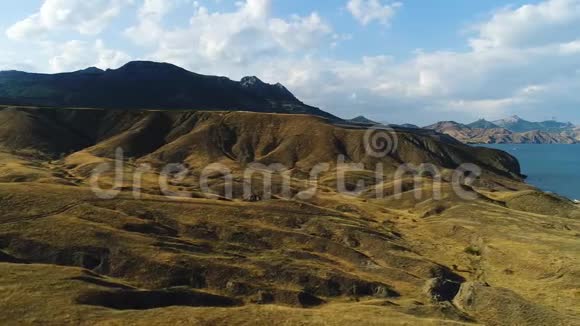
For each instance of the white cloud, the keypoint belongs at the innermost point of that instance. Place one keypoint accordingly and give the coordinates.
(85, 17)
(109, 58)
(76, 55)
(513, 66)
(156, 8)
(570, 47)
(28, 27)
(486, 107)
(551, 21)
(300, 32)
(367, 11)
(13, 60)
(237, 38)
(150, 14)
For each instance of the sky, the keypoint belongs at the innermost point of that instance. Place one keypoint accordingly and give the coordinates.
(413, 61)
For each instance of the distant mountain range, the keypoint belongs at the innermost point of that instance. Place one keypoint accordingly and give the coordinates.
(510, 130)
(364, 121)
(483, 124)
(517, 124)
(148, 85)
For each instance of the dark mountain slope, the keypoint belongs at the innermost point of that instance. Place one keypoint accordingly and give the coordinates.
(148, 85)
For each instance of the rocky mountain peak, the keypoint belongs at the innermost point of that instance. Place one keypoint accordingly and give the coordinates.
(251, 81)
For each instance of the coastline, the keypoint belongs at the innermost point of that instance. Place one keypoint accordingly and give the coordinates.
(548, 167)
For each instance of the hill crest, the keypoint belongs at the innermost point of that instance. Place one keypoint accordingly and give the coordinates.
(149, 85)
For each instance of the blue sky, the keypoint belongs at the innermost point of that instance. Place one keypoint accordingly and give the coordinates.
(394, 61)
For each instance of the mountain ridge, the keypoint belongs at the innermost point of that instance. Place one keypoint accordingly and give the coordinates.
(149, 85)
(517, 124)
(483, 124)
(512, 130)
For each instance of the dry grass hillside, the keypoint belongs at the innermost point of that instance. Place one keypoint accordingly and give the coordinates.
(509, 256)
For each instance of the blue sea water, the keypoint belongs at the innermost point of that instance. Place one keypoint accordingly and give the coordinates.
(554, 168)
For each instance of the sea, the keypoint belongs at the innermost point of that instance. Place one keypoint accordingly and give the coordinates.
(550, 167)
